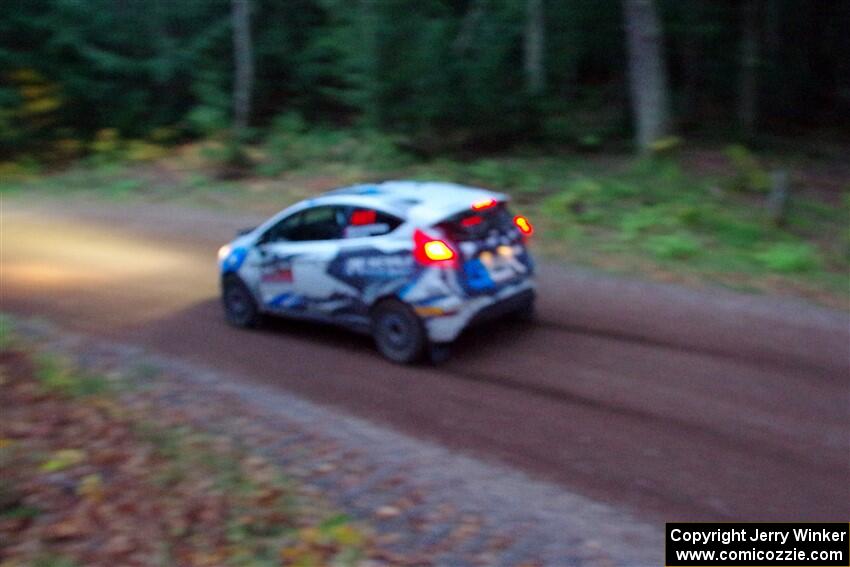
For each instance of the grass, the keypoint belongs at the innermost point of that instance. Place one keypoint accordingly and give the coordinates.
(51, 560)
(56, 375)
(680, 246)
(7, 338)
(655, 218)
(789, 257)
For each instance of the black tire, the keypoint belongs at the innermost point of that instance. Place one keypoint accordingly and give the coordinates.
(527, 313)
(438, 353)
(398, 332)
(240, 308)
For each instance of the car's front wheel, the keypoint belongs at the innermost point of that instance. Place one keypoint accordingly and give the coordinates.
(240, 309)
(398, 332)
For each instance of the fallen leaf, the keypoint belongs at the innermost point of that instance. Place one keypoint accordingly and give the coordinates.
(118, 545)
(346, 536)
(386, 512)
(63, 459)
(91, 486)
(69, 528)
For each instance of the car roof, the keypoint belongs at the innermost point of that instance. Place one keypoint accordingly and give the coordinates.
(422, 203)
(418, 201)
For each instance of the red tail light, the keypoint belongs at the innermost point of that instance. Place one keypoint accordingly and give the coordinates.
(430, 251)
(524, 225)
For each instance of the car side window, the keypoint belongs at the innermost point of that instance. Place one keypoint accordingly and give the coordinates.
(284, 229)
(318, 223)
(321, 223)
(369, 222)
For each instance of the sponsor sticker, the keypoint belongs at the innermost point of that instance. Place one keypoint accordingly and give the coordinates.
(282, 275)
(385, 266)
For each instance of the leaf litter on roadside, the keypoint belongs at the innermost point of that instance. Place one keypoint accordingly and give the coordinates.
(89, 481)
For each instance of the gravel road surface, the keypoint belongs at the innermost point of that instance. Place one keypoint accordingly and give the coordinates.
(663, 402)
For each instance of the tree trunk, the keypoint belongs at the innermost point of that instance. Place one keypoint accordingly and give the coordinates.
(647, 74)
(369, 80)
(244, 65)
(468, 27)
(748, 80)
(691, 61)
(535, 71)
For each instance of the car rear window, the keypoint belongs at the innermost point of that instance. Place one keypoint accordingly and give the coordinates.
(472, 225)
(364, 222)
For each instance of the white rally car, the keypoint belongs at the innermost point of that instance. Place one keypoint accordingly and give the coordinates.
(411, 263)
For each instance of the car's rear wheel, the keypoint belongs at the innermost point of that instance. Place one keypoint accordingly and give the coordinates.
(526, 313)
(398, 332)
(240, 308)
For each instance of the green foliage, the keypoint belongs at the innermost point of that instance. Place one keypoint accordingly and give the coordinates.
(749, 175)
(141, 150)
(646, 219)
(678, 246)
(20, 512)
(789, 257)
(577, 202)
(445, 75)
(106, 148)
(54, 561)
(55, 375)
(122, 187)
(7, 338)
(661, 178)
(63, 459)
(227, 154)
(25, 167)
(291, 144)
(734, 232)
(666, 146)
(501, 175)
(28, 108)
(207, 120)
(109, 149)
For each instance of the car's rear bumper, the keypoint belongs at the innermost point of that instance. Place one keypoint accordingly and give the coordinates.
(444, 328)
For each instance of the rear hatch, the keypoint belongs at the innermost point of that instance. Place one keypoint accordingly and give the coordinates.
(491, 247)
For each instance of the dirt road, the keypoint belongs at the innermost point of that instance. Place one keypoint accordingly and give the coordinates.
(671, 403)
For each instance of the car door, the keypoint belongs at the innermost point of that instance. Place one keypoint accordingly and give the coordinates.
(294, 255)
(370, 259)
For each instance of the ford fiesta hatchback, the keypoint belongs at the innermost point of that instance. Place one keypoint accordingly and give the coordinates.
(412, 263)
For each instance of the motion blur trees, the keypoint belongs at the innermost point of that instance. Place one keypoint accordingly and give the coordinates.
(243, 76)
(534, 46)
(748, 87)
(438, 74)
(647, 73)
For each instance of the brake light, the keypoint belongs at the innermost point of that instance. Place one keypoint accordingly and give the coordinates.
(483, 204)
(437, 250)
(524, 225)
(430, 251)
(471, 221)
